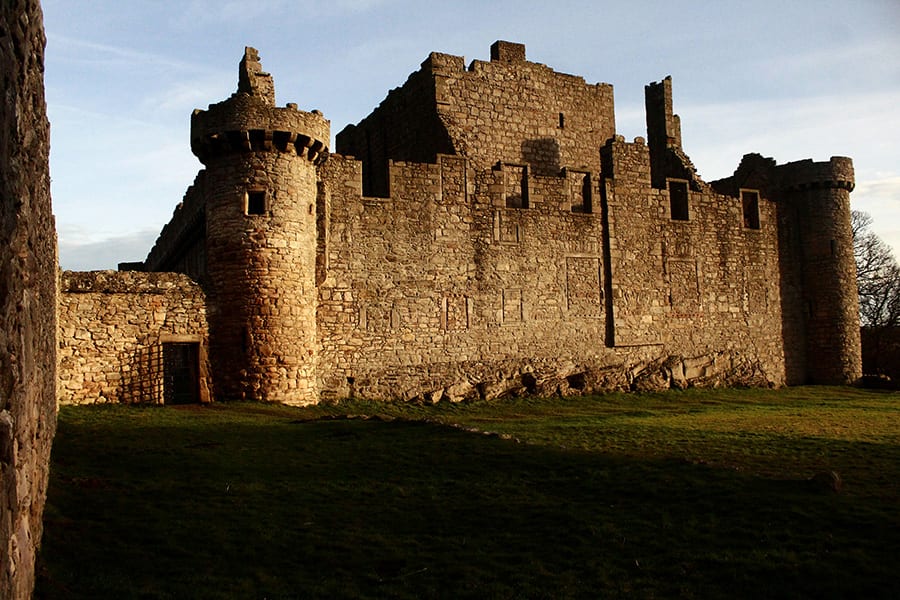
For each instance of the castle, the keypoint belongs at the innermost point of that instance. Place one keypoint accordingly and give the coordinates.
(483, 232)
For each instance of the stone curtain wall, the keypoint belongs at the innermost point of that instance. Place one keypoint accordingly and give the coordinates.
(510, 242)
(181, 245)
(708, 282)
(28, 298)
(111, 329)
(441, 291)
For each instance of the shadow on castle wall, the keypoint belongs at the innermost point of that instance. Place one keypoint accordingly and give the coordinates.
(542, 156)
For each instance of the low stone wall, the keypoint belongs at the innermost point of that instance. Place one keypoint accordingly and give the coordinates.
(113, 332)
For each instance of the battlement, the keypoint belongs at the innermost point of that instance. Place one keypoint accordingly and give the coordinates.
(249, 121)
(179, 245)
(806, 174)
(455, 181)
(439, 63)
(508, 52)
(123, 282)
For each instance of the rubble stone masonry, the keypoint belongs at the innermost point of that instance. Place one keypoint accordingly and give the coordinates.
(27, 296)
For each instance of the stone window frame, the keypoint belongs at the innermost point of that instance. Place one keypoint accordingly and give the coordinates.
(588, 198)
(750, 217)
(674, 299)
(256, 202)
(601, 296)
(525, 170)
(512, 303)
(683, 213)
(503, 232)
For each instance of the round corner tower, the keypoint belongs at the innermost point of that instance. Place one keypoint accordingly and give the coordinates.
(261, 239)
(821, 193)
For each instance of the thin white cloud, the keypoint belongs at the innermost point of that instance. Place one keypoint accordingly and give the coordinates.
(240, 11)
(79, 253)
(881, 199)
(115, 174)
(886, 189)
(72, 50)
(84, 118)
(842, 64)
(861, 126)
(196, 92)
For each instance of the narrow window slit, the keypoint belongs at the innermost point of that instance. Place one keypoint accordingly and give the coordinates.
(256, 203)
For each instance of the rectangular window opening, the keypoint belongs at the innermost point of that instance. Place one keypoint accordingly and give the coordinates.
(750, 205)
(678, 200)
(580, 192)
(256, 202)
(562, 121)
(516, 177)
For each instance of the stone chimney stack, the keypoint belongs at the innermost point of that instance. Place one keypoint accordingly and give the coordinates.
(253, 80)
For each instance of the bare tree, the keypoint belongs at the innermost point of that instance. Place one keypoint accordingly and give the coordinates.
(877, 274)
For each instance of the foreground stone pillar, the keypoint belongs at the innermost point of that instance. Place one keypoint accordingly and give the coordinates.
(27, 296)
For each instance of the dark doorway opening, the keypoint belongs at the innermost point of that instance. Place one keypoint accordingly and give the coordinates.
(181, 368)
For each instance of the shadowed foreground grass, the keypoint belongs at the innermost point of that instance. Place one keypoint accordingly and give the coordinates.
(695, 494)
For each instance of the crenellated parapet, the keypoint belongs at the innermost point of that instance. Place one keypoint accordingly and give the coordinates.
(249, 121)
(181, 243)
(244, 123)
(507, 109)
(806, 174)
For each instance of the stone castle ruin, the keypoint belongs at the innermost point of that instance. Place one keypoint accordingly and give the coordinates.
(483, 232)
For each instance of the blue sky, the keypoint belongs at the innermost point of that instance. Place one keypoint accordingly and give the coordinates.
(790, 80)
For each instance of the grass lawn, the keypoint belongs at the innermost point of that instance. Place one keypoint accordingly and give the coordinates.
(695, 494)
